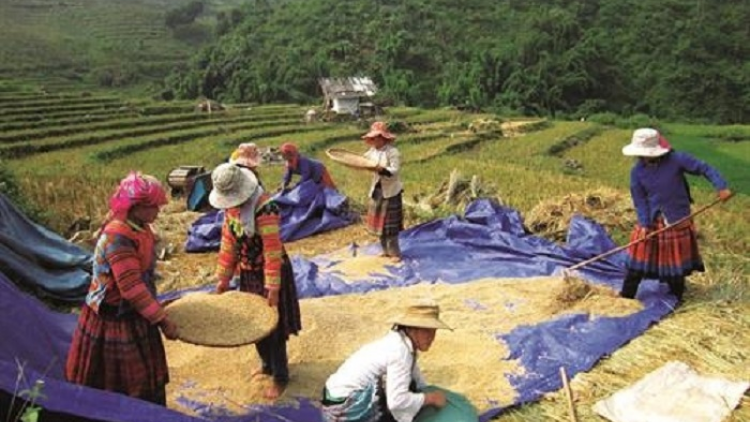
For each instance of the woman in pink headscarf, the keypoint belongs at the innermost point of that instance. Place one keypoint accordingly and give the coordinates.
(307, 168)
(117, 345)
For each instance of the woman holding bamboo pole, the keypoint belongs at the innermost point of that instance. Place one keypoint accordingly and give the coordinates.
(661, 196)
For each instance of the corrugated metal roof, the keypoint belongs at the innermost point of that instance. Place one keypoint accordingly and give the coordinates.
(348, 87)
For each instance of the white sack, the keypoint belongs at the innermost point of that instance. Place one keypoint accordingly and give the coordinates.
(673, 393)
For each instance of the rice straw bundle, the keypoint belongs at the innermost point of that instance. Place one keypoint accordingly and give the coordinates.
(350, 159)
(608, 207)
(222, 320)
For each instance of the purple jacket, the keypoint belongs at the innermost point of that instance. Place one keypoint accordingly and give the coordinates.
(661, 187)
(307, 168)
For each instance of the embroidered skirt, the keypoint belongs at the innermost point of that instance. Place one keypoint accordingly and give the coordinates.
(385, 216)
(253, 281)
(361, 406)
(122, 354)
(672, 253)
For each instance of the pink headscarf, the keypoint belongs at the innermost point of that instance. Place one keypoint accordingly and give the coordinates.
(136, 189)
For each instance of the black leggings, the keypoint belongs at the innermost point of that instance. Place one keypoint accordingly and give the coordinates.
(633, 280)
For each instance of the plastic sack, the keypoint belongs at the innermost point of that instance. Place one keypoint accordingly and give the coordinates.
(457, 409)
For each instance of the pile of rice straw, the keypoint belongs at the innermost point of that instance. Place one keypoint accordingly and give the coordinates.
(608, 207)
(230, 319)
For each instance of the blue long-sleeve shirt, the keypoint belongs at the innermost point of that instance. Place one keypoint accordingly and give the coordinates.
(307, 168)
(661, 186)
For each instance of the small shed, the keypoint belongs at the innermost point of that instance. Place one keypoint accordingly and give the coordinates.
(344, 95)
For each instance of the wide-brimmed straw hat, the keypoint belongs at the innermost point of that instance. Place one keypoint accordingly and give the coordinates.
(232, 186)
(379, 129)
(423, 314)
(247, 155)
(645, 143)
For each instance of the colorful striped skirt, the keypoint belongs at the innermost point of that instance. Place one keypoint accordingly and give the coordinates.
(672, 253)
(253, 281)
(385, 216)
(361, 406)
(122, 354)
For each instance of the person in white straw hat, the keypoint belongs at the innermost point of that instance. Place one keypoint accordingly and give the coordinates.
(251, 243)
(247, 156)
(661, 196)
(382, 380)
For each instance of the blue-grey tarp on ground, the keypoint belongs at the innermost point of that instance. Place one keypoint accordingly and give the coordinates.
(307, 209)
(40, 259)
(488, 241)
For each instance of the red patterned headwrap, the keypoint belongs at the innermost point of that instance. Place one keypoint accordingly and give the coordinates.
(136, 189)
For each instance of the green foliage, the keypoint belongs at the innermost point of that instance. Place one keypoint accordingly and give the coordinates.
(184, 15)
(639, 58)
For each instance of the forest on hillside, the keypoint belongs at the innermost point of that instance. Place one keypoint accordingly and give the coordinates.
(670, 59)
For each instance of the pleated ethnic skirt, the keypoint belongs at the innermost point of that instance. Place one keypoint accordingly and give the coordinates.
(124, 354)
(672, 253)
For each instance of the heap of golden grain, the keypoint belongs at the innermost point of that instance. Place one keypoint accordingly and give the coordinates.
(230, 319)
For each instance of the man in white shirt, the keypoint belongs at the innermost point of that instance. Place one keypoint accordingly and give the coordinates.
(382, 381)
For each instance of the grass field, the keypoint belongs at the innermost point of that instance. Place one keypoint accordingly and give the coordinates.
(68, 164)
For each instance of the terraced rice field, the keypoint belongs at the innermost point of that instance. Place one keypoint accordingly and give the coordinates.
(69, 149)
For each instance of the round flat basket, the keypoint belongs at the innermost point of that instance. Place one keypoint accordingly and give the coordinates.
(230, 319)
(350, 159)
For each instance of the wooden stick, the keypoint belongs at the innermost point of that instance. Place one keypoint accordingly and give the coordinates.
(650, 235)
(568, 395)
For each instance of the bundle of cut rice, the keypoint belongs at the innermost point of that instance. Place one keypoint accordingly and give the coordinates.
(223, 320)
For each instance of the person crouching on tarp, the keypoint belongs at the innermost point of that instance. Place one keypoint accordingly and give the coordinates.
(117, 345)
(382, 380)
(307, 168)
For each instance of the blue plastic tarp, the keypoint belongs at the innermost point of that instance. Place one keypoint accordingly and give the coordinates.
(307, 209)
(488, 242)
(40, 259)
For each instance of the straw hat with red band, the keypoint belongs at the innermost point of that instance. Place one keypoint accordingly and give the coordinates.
(379, 129)
(646, 142)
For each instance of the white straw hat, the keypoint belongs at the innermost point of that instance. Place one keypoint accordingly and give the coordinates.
(423, 314)
(232, 186)
(645, 143)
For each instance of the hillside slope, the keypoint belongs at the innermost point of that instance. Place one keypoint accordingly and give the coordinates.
(108, 43)
(672, 59)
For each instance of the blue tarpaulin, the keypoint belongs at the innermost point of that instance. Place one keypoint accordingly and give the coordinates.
(307, 209)
(40, 259)
(489, 241)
